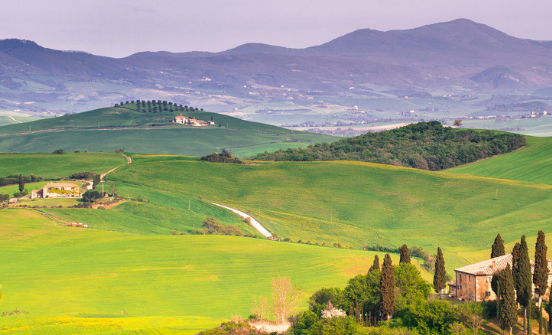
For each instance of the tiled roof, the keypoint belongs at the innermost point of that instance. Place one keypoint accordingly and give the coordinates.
(491, 266)
(488, 267)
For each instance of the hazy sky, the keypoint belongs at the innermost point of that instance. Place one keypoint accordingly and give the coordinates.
(119, 28)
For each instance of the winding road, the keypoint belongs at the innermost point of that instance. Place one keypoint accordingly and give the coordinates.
(254, 222)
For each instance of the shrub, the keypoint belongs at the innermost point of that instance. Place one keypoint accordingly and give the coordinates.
(91, 196)
(58, 152)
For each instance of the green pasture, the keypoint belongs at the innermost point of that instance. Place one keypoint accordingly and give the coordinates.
(56, 272)
(359, 204)
(51, 166)
(109, 129)
(530, 164)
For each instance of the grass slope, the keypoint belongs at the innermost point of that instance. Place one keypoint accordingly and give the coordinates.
(50, 166)
(109, 129)
(54, 271)
(360, 203)
(531, 164)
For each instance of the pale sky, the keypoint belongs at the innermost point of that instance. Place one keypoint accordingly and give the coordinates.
(119, 28)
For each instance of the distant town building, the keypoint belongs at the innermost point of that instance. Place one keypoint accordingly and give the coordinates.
(181, 119)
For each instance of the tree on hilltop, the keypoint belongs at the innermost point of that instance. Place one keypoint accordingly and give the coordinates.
(405, 255)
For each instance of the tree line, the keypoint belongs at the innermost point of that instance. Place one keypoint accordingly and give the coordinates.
(424, 145)
(158, 106)
(513, 285)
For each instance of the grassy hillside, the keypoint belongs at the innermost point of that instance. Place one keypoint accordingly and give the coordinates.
(49, 166)
(359, 203)
(68, 278)
(109, 129)
(531, 164)
(423, 145)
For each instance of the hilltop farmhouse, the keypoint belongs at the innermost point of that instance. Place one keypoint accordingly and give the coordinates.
(57, 190)
(473, 282)
(192, 122)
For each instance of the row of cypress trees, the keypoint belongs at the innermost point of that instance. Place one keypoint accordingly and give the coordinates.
(387, 281)
(515, 285)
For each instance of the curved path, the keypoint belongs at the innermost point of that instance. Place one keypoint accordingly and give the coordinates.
(254, 222)
(129, 161)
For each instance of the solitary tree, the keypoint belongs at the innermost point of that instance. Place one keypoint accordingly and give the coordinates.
(523, 280)
(285, 298)
(387, 285)
(498, 247)
(375, 265)
(458, 123)
(540, 275)
(96, 181)
(508, 309)
(405, 255)
(21, 183)
(440, 276)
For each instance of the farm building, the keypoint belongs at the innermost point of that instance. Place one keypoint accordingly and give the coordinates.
(473, 282)
(58, 190)
(181, 119)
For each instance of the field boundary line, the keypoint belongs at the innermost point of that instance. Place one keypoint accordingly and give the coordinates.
(254, 222)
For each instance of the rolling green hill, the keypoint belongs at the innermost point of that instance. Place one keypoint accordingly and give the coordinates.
(531, 164)
(113, 128)
(74, 279)
(129, 273)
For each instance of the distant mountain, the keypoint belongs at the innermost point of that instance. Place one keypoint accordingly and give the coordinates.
(456, 53)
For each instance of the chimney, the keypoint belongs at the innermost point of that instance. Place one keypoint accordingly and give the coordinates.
(493, 267)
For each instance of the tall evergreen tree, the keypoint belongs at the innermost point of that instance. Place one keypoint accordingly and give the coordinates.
(540, 274)
(496, 251)
(21, 183)
(375, 265)
(524, 283)
(96, 181)
(498, 247)
(508, 308)
(387, 288)
(405, 255)
(515, 261)
(440, 276)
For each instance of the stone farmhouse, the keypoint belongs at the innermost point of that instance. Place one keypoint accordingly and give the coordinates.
(57, 190)
(192, 122)
(473, 282)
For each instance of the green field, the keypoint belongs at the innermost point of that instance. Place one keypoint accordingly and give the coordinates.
(531, 164)
(110, 129)
(128, 273)
(79, 275)
(50, 166)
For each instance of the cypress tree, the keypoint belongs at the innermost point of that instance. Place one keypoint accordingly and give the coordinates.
(497, 250)
(405, 255)
(387, 288)
(96, 181)
(375, 265)
(508, 308)
(524, 283)
(440, 276)
(515, 261)
(540, 274)
(498, 247)
(21, 183)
